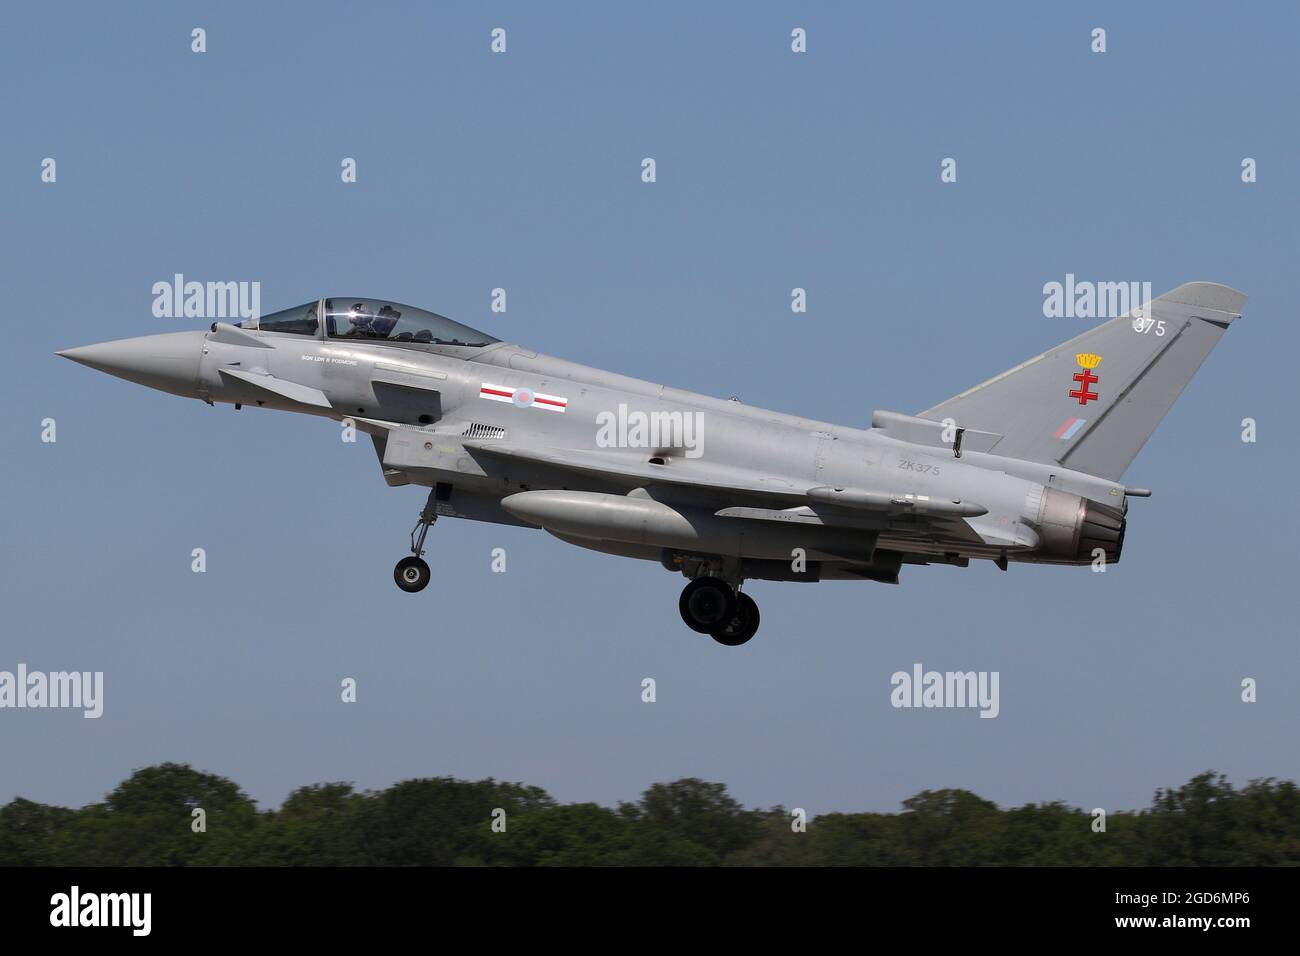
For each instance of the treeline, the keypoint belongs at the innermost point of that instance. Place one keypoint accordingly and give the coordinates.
(150, 820)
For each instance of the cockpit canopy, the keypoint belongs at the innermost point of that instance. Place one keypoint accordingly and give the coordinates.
(393, 322)
(374, 320)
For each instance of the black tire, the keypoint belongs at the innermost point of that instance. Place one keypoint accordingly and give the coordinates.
(742, 626)
(412, 574)
(706, 603)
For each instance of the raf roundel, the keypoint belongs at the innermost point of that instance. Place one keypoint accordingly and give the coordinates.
(523, 397)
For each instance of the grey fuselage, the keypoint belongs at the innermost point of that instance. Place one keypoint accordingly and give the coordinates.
(714, 489)
(426, 410)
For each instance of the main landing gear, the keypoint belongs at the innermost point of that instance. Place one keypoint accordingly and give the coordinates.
(711, 606)
(412, 572)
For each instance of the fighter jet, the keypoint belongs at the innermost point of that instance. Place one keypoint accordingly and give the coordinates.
(1025, 467)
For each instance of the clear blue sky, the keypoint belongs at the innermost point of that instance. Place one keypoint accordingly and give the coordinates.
(523, 171)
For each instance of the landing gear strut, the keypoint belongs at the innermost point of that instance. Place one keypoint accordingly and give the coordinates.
(412, 572)
(711, 606)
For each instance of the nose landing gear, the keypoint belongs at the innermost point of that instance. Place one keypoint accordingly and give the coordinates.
(412, 573)
(709, 605)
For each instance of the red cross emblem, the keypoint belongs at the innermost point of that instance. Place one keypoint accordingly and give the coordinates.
(1084, 378)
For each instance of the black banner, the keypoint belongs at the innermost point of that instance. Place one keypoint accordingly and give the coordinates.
(371, 904)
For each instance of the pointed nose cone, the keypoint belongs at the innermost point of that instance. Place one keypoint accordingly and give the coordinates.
(169, 362)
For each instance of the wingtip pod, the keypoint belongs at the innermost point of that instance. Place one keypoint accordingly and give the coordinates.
(1207, 295)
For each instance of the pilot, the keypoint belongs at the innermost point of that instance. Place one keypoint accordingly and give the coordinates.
(385, 321)
(359, 319)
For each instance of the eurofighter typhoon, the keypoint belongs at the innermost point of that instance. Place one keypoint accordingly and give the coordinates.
(1026, 467)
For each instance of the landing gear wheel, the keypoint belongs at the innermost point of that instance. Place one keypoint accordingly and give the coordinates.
(742, 625)
(706, 603)
(412, 574)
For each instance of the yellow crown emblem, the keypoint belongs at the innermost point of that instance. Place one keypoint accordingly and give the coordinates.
(1087, 360)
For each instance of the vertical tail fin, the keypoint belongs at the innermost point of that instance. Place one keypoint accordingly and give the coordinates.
(1091, 403)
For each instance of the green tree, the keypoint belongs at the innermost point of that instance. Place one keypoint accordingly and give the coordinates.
(949, 828)
(29, 833)
(441, 821)
(580, 834)
(317, 826)
(673, 817)
(147, 820)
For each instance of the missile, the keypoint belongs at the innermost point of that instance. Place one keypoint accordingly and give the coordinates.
(896, 503)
